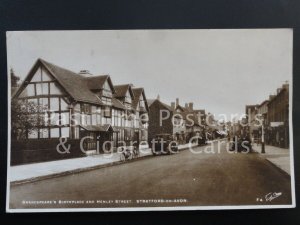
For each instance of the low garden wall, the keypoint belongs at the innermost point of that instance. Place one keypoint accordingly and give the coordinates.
(42, 150)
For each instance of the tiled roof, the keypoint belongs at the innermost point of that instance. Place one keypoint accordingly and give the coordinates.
(120, 90)
(117, 104)
(73, 83)
(96, 82)
(137, 94)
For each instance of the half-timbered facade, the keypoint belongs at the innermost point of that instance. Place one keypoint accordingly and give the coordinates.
(79, 105)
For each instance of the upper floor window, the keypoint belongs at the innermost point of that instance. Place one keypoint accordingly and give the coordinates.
(107, 111)
(106, 90)
(128, 97)
(142, 102)
(85, 108)
(106, 100)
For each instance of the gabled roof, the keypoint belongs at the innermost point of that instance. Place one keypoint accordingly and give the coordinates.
(72, 82)
(183, 109)
(117, 104)
(97, 82)
(151, 101)
(77, 86)
(137, 94)
(121, 90)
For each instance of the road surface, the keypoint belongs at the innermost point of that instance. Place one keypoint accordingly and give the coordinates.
(183, 179)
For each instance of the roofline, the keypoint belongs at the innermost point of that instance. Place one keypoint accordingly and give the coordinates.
(128, 87)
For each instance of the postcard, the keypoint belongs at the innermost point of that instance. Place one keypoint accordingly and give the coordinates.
(142, 120)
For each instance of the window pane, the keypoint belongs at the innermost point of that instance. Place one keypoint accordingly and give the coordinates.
(83, 119)
(54, 90)
(88, 119)
(98, 119)
(33, 134)
(94, 119)
(54, 104)
(98, 110)
(42, 89)
(63, 104)
(65, 132)
(44, 133)
(54, 119)
(76, 118)
(94, 109)
(30, 90)
(54, 132)
(65, 118)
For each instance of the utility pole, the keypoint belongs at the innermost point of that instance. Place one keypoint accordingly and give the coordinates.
(263, 137)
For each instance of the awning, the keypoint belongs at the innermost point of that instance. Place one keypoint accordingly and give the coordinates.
(99, 128)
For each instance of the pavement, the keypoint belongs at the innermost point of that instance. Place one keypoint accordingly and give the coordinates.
(44, 170)
(279, 157)
(189, 178)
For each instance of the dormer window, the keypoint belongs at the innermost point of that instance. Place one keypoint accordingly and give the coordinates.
(128, 97)
(142, 102)
(106, 94)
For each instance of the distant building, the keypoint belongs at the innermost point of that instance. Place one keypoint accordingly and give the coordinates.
(253, 124)
(157, 124)
(274, 115)
(278, 118)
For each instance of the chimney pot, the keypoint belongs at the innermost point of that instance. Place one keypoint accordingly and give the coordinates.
(85, 73)
(177, 102)
(173, 105)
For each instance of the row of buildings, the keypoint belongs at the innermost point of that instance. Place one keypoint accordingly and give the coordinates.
(271, 115)
(77, 105)
(81, 104)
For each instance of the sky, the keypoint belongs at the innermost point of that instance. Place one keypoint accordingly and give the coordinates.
(221, 71)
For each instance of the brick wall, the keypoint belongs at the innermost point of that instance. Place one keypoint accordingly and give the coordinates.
(154, 121)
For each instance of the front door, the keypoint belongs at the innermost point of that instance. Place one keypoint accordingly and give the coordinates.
(104, 141)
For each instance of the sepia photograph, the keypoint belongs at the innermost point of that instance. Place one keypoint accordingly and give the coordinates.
(140, 120)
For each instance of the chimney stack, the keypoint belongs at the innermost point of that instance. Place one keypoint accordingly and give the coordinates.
(177, 102)
(158, 97)
(173, 105)
(191, 106)
(85, 73)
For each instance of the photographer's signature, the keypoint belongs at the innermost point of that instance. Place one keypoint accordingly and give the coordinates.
(269, 197)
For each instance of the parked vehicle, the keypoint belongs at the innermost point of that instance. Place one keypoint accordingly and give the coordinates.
(241, 144)
(164, 144)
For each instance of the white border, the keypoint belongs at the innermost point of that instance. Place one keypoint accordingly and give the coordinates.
(175, 208)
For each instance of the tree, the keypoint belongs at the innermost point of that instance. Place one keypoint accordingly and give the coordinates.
(14, 78)
(26, 116)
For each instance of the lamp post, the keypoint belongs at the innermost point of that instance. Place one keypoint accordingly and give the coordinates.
(263, 137)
